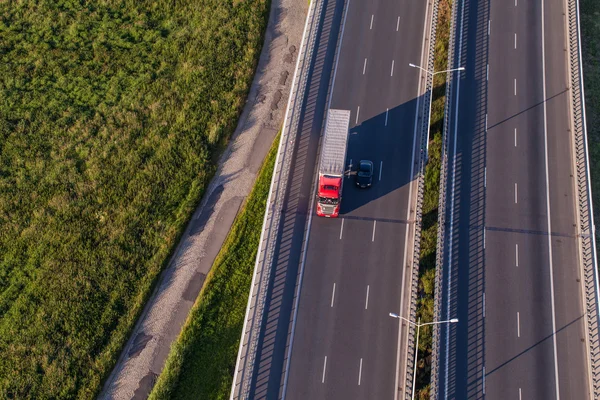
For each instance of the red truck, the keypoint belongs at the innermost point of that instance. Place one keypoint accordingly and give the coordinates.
(333, 163)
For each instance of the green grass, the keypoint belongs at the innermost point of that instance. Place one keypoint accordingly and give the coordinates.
(425, 301)
(111, 113)
(590, 37)
(202, 360)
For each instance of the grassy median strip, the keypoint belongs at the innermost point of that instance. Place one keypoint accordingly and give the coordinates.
(425, 300)
(590, 37)
(202, 360)
(111, 116)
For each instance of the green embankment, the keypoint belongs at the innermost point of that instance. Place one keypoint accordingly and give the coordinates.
(425, 300)
(111, 115)
(590, 38)
(202, 360)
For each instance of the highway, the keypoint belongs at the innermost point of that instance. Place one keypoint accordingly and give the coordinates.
(353, 269)
(512, 273)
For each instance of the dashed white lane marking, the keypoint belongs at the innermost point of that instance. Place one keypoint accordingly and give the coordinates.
(357, 112)
(515, 86)
(489, 26)
(367, 299)
(485, 177)
(516, 255)
(392, 71)
(515, 6)
(374, 225)
(333, 294)
(484, 238)
(387, 110)
(519, 388)
(324, 369)
(515, 40)
(398, 24)
(487, 72)
(380, 169)
(486, 122)
(359, 372)
(342, 229)
(518, 327)
(516, 193)
(365, 66)
(483, 305)
(371, 27)
(515, 137)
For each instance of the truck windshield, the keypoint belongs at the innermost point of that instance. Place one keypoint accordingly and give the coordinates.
(327, 200)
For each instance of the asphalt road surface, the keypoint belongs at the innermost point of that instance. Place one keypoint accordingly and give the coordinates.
(512, 271)
(345, 345)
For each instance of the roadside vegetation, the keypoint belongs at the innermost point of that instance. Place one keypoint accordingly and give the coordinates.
(202, 360)
(590, 37)
(111, 116)
(425, 300)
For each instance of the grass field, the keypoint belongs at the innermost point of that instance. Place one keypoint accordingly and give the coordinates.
(590, 37)
(202, 360)
(111, 113)
(425, 300)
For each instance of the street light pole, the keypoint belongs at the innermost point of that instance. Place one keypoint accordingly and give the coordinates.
(419, 325)
(431, 98)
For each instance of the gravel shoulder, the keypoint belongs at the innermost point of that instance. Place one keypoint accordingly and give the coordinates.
(145, 353)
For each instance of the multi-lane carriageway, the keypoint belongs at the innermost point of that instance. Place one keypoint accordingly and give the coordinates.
(355, 268)
(512, 266)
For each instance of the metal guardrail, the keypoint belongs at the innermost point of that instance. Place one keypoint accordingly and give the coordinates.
(242, 379)
(439, 261)
(425, 121)
(584, 192)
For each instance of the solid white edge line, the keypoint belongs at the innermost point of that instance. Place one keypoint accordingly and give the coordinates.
(367, 299)
(380, 169)
(312, 205)
(460, 40)
(410, 188)
(324, 369)
(359, 372)
(548, 205)
(374, 225)
(342, 229)
(255, 273)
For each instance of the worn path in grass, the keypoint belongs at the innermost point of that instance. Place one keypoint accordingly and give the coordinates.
(144, 355)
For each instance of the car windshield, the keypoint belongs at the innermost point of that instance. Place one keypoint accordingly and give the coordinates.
(363, 174)
(327, 200)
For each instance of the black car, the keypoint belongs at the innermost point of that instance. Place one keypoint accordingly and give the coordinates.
(364, 176)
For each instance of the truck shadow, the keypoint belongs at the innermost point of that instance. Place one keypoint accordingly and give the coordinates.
(390, 140)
